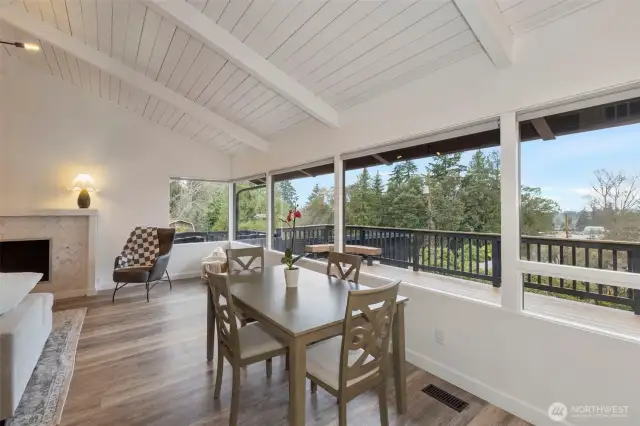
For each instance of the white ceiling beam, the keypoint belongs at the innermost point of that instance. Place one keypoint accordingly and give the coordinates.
(543, 129)
(491, 29)
(217, 38)
(22, 20)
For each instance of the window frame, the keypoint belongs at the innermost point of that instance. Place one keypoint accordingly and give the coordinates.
(514, 300)
(233, 202)
(272, 179)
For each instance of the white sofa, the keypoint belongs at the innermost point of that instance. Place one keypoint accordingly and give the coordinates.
(23, 333)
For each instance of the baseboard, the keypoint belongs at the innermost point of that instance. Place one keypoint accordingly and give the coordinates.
(185, 275)
(522, 409)
(68, 294)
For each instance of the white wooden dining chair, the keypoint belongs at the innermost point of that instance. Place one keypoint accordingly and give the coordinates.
(348, 365)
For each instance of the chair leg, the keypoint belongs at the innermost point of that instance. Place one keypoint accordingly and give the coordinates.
(147, 291)
(235, 397)
(382, 401)
(216, 394)
(113, 300)
(169, 279)
(342, 413)
(314, 386)
(269, 364)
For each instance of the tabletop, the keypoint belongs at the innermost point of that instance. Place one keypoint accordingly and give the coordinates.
(318, 301)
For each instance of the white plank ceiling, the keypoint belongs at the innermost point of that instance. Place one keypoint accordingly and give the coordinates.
(526, 15)
(345, 51)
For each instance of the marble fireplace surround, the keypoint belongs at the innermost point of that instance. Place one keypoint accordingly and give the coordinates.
(73, 254)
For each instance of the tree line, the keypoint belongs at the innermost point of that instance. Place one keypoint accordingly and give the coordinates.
(446, 194)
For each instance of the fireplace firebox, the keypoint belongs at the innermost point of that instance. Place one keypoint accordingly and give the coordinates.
(26, 256)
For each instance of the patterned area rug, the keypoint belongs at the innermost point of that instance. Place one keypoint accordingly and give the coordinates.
(46, 392)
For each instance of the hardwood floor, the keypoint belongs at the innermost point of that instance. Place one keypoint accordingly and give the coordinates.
(142, 363)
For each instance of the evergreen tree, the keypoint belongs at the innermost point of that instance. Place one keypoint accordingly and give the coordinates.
(402, 172)
(360, 198)
(444, 202)
(286, 192)
(318, 209)
(480, 193)
(377, 197)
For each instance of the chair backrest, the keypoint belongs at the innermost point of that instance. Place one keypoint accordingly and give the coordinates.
(246, 260)
(344, 266)
(166, 237)
(367, 326)
(226, 323)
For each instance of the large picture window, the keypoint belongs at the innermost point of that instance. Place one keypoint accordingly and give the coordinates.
(199, 210)
(585, 211)
(432, 208)
(311, 190)
(251, 211)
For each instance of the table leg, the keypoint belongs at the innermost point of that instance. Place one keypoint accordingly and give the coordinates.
(210, 324)
(399, 363)
(297, 380)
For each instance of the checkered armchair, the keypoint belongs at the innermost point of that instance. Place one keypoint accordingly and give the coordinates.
(152, 273)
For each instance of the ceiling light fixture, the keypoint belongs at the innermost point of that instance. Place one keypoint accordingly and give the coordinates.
(26, 46)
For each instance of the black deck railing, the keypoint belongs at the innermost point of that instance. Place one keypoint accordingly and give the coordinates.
(473, 256)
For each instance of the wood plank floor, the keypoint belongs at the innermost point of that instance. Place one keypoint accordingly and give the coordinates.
(142, 363)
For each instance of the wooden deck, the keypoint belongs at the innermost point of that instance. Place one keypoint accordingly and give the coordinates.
(598, 317)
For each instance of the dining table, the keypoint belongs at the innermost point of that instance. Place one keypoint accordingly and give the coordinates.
(299, 316)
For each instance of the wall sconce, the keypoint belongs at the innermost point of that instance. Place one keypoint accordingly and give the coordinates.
(26, 46)
(84, 184)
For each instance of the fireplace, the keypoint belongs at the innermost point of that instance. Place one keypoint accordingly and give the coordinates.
(26, 256)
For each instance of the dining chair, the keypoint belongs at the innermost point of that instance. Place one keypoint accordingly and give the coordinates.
(241, 260)
(335, 265)
(348, 365)
(241, 346)
(339, 260)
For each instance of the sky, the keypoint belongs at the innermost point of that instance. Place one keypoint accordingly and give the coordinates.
(563, 168)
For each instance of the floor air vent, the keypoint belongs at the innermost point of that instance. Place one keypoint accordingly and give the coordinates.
(445, 397)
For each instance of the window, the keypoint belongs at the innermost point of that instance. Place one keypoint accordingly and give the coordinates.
(199, 210)
(580, 206)
(251, 211)
(433, 207)
(311, 189)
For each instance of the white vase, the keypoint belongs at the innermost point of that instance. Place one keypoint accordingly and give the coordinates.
(291, 277)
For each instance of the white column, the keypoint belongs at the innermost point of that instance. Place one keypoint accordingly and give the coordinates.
(338, 203)
(270, 212)
(511, 290)
(232, 210)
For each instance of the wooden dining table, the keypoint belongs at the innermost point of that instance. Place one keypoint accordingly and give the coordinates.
(299, 316)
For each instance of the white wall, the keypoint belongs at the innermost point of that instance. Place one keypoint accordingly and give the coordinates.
(593, 49)
(54, 131)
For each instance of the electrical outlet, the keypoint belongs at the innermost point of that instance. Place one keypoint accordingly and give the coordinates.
(439, 336)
